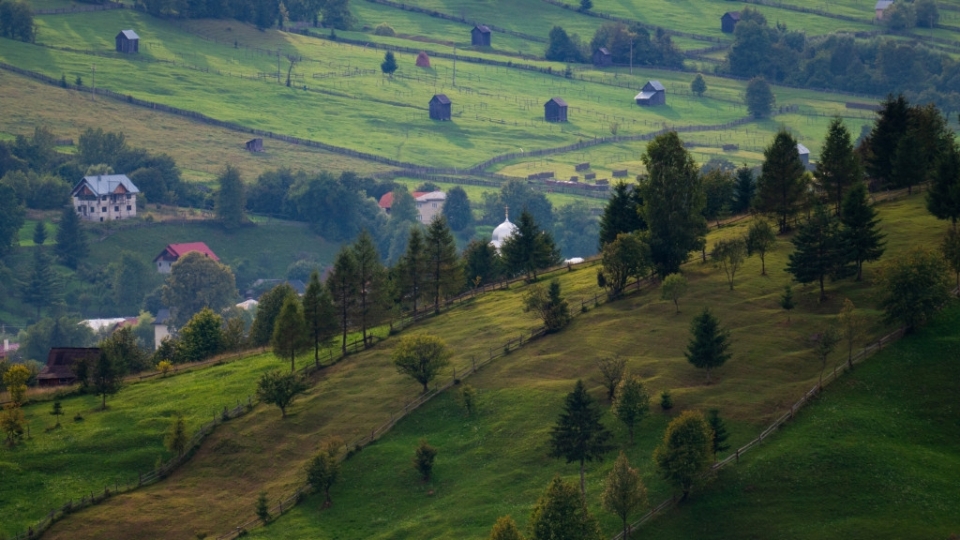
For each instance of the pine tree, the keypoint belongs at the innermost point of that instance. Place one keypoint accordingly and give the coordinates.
(268, 308)
(57, 410)
(320, 315)
(290, 331)
(39, 233)
(624, 492)
(231, 199)
(444, 274)
(342, 284)
(529, 249)
(698, 86)
(818, 250)
(371, 291)
(673, 203)
(578, 434)
(71, 239)
(839, 167)
(782, 181)
(561, 514)
(745, 189)
(176, 439)
(943, 199)
(719, 429)
(786, 300)
(389, 64)
(907, 169)
(482, 263)
(43, 286)
(709, 344)
(621, 215)
(891, 125)
(860, 237)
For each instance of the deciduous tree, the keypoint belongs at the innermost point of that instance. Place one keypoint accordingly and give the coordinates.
(578, 435)
(760, 238)
(456, 209)
(548, 305)
(730, 255)
(107, 375)
(323, 470)
(684, 455)
(852, 325)
(709, 343)
(197, 281)
(631, 403)
(176, 439)
(628, 256)
(201, 337)
(505, 529)
(824, 342)
(612, 369)
(423, 459)
(290, 336)
(759, 98)
(561, 514)
(15, 380)
(421, 356)
(672, 288)
(231, 198)
(624, 492)
(913, 287)
(280, 389)
(14, 424)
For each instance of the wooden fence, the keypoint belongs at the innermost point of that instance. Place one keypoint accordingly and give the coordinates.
(464, 20)
(79, 9)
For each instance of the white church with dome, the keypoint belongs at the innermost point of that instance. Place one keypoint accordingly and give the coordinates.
(503, 231)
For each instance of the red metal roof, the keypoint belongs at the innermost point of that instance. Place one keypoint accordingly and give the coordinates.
(386, 202)
(175, 251)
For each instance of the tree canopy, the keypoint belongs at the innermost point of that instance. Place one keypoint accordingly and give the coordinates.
(195, 282)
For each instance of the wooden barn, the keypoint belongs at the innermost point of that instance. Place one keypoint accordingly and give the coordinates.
(652, 95)
(555, 110)
(440, 107)
(602, 57)
(59, 370)
(880, 7)
(480, 36)
(128, 42)
(728, 22)
(255, 145)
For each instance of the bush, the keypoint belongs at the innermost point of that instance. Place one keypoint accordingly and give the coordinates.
(384, 29)
(666, 400)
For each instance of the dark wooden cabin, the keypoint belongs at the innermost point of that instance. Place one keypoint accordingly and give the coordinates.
(440, 107)
(652, 94)
(255, 145)
(480, 36)
(128, 42)
(555, 110)
(602, 57)
(728, 22)
(59, 370)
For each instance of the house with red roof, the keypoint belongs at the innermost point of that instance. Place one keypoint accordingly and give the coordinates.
(429, 204)
(173, 252)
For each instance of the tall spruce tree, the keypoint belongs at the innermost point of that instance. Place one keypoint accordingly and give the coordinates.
(621, 215)
(860, 237)
(71, 239)
(709, 343)
(881, 145)
(290, 336)
(819, 250)
(673, 202)
(320, 315)
(907, 169)
(839, 167)
(745, 189)
(342, 284)
(578, 435)
(943, 199)
(42, 287)
(39, 233)
(530, 249)
(231, 199)
(413, 269)
(481, 263)
(935, 137)
(782, 181)
(372, 287)
(268, 308)
(719, 429)
(444, 275)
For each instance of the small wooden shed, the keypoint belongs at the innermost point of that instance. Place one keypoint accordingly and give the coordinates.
(602, 57)
(61, 362)
(440, 107)
(804, 153)
(255, 145)
(555, 110)
(480, 36)
(728, 22)
(128, 42)
(652, 95)
(880, 7)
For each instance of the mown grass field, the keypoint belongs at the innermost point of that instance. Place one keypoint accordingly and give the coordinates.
(772, 365)
(874, 457)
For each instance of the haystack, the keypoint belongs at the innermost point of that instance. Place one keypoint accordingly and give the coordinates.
(423, 60)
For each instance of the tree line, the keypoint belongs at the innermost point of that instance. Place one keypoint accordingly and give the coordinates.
(628, 45)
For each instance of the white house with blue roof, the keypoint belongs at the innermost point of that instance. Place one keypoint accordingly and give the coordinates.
(105, 197)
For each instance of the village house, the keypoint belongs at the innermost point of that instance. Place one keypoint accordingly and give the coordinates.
(173, 252)
(429, 204)
(105, 197)
(128, 42)
(59, 370)
(602, 57)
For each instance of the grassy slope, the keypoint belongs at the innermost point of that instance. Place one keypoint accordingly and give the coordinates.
(771, 366)
(875, 457)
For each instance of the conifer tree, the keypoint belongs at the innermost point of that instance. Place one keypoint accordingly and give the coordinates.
(389, 64)
(290, 331)
(621, 215)
(839, 167)
(943, 199)
(786, 300)
(818, 250)
(268, 308)
(709, 343)
(698, 86)
(860, 237)
(891, 125)
(624, 492)
(782, 181)
(342, 284)
(176, 439)
(907, 169)
(529, 249)
(107, 375)
(231, 199)
(71, 239)
(42, 287)
(561, 514)
(370, 278)
(320, 315)
(444, 274)
(719, 429)
(578, 435)
(39, 233)
(481, 263)
(745, 189)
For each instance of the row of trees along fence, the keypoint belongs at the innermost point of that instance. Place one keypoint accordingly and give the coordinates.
(650, 27)
(78, 9)
(455, 18)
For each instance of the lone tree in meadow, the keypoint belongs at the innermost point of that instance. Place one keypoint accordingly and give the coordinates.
(786, 300)
(320, 315)
(913, 287)
(861, 240)
(505, 529)
(760, 238)
(819, 250)
(323, 470)
(39, 233)
(730, 254)
(389, 64)
(107, 374)
(421, 356)
(631, 403)
(852, 325)
(624, 493)
(561, 514)
(759, 98)
(709, 343)
(684, 455)
(176, 439)
(423, 459)
(280, 389)
(578, 435)
(698, 86)
(57, 410)
(612, 370)
(673, 287)
(548, 305)
(719, 430)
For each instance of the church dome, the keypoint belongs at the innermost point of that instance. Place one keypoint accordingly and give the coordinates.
(503, 231)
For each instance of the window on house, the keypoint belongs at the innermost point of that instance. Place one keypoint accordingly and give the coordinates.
(128, 196)
(104, 209)
(128, 208)
(116, 208)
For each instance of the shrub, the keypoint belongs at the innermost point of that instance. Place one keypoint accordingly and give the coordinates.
(666, 400)
(384, 29)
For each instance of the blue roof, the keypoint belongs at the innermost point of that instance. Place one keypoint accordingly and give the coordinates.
(442, 98)
(129, 34)
(105, 184)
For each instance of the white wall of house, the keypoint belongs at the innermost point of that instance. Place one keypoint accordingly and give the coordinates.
(106, 207)
(430, 205)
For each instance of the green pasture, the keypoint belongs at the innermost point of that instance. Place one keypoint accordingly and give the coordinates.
(25, 235)
(475, 193)
(875, 456)
(772, 366)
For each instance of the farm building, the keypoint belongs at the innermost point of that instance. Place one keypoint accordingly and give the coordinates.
(59, 370)
(429, 204)
(440, 107)
(480, 36)
(555, 110)
(173, 252)
(602, 57)
(652, 94)
(880, 7)
(423, 60)
(128, 42)
(804, 153)
(728, 22)
(105, 197)
(255, 145)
